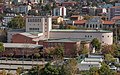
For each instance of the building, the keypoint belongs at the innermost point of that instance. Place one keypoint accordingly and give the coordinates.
(59, 11)
(66, 4)
(8, 18)
(43, 26)
(69, 45)
(76, 17)
(39, 24)
(10, 33)
(94, 23)
(105, 37)
(57, 20)
(91, 61)
(20, 49)
(24, 9)
(113, 11)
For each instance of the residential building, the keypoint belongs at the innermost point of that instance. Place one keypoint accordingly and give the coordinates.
(57, 20)
(76, 17)
(59, 11)
(8, 18)
(66, 4)
(113, 11)
(24, 9)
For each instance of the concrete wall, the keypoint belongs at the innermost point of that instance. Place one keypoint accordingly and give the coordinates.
(105, 38)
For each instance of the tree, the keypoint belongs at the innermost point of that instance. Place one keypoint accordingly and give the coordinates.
(109, 49)
(37, 55)
(19, 70)
(105, 70)
(49, 70)
(94, 71)
(3, 72)
(84, 49)
(1, 47)
(55, 52)
(17, 22)
(32, 12)
(87, 17)
(69, 68)
(96, 43)
(109, 58)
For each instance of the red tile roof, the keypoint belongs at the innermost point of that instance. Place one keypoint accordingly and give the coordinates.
(116, 18)
(79, 22)
(116, 7)
(108, 22)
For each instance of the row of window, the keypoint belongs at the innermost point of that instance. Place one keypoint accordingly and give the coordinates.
(36, 20)
(55, 44)
(33, 28)
(92, 36)
(93, 26)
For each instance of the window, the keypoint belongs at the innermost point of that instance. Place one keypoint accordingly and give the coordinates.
(45, 20)
(85, 35)
(102, 36)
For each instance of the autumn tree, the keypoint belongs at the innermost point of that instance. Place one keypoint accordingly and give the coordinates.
(69, 68)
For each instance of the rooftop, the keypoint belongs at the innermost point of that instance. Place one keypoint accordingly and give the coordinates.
(21, 45)
(82, 31)
(17, 30)
(79, 22)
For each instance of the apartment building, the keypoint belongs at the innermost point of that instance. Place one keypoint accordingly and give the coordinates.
(113, 11)
(59, 11)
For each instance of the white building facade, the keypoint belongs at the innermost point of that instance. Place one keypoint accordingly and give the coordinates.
(105, 37)
(39, 24)
(59, 11)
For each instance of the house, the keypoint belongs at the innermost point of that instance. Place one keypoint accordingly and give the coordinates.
(57, 20)
(76, 17)
(116, 18)
(66, 4)
(24, 9)
(79, 23)
(113, 11)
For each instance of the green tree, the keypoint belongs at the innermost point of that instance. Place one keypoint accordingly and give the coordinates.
(96, 43)
(17, 22)
(109, 58)
(1, 47)
(105, 70)
(49, 70)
